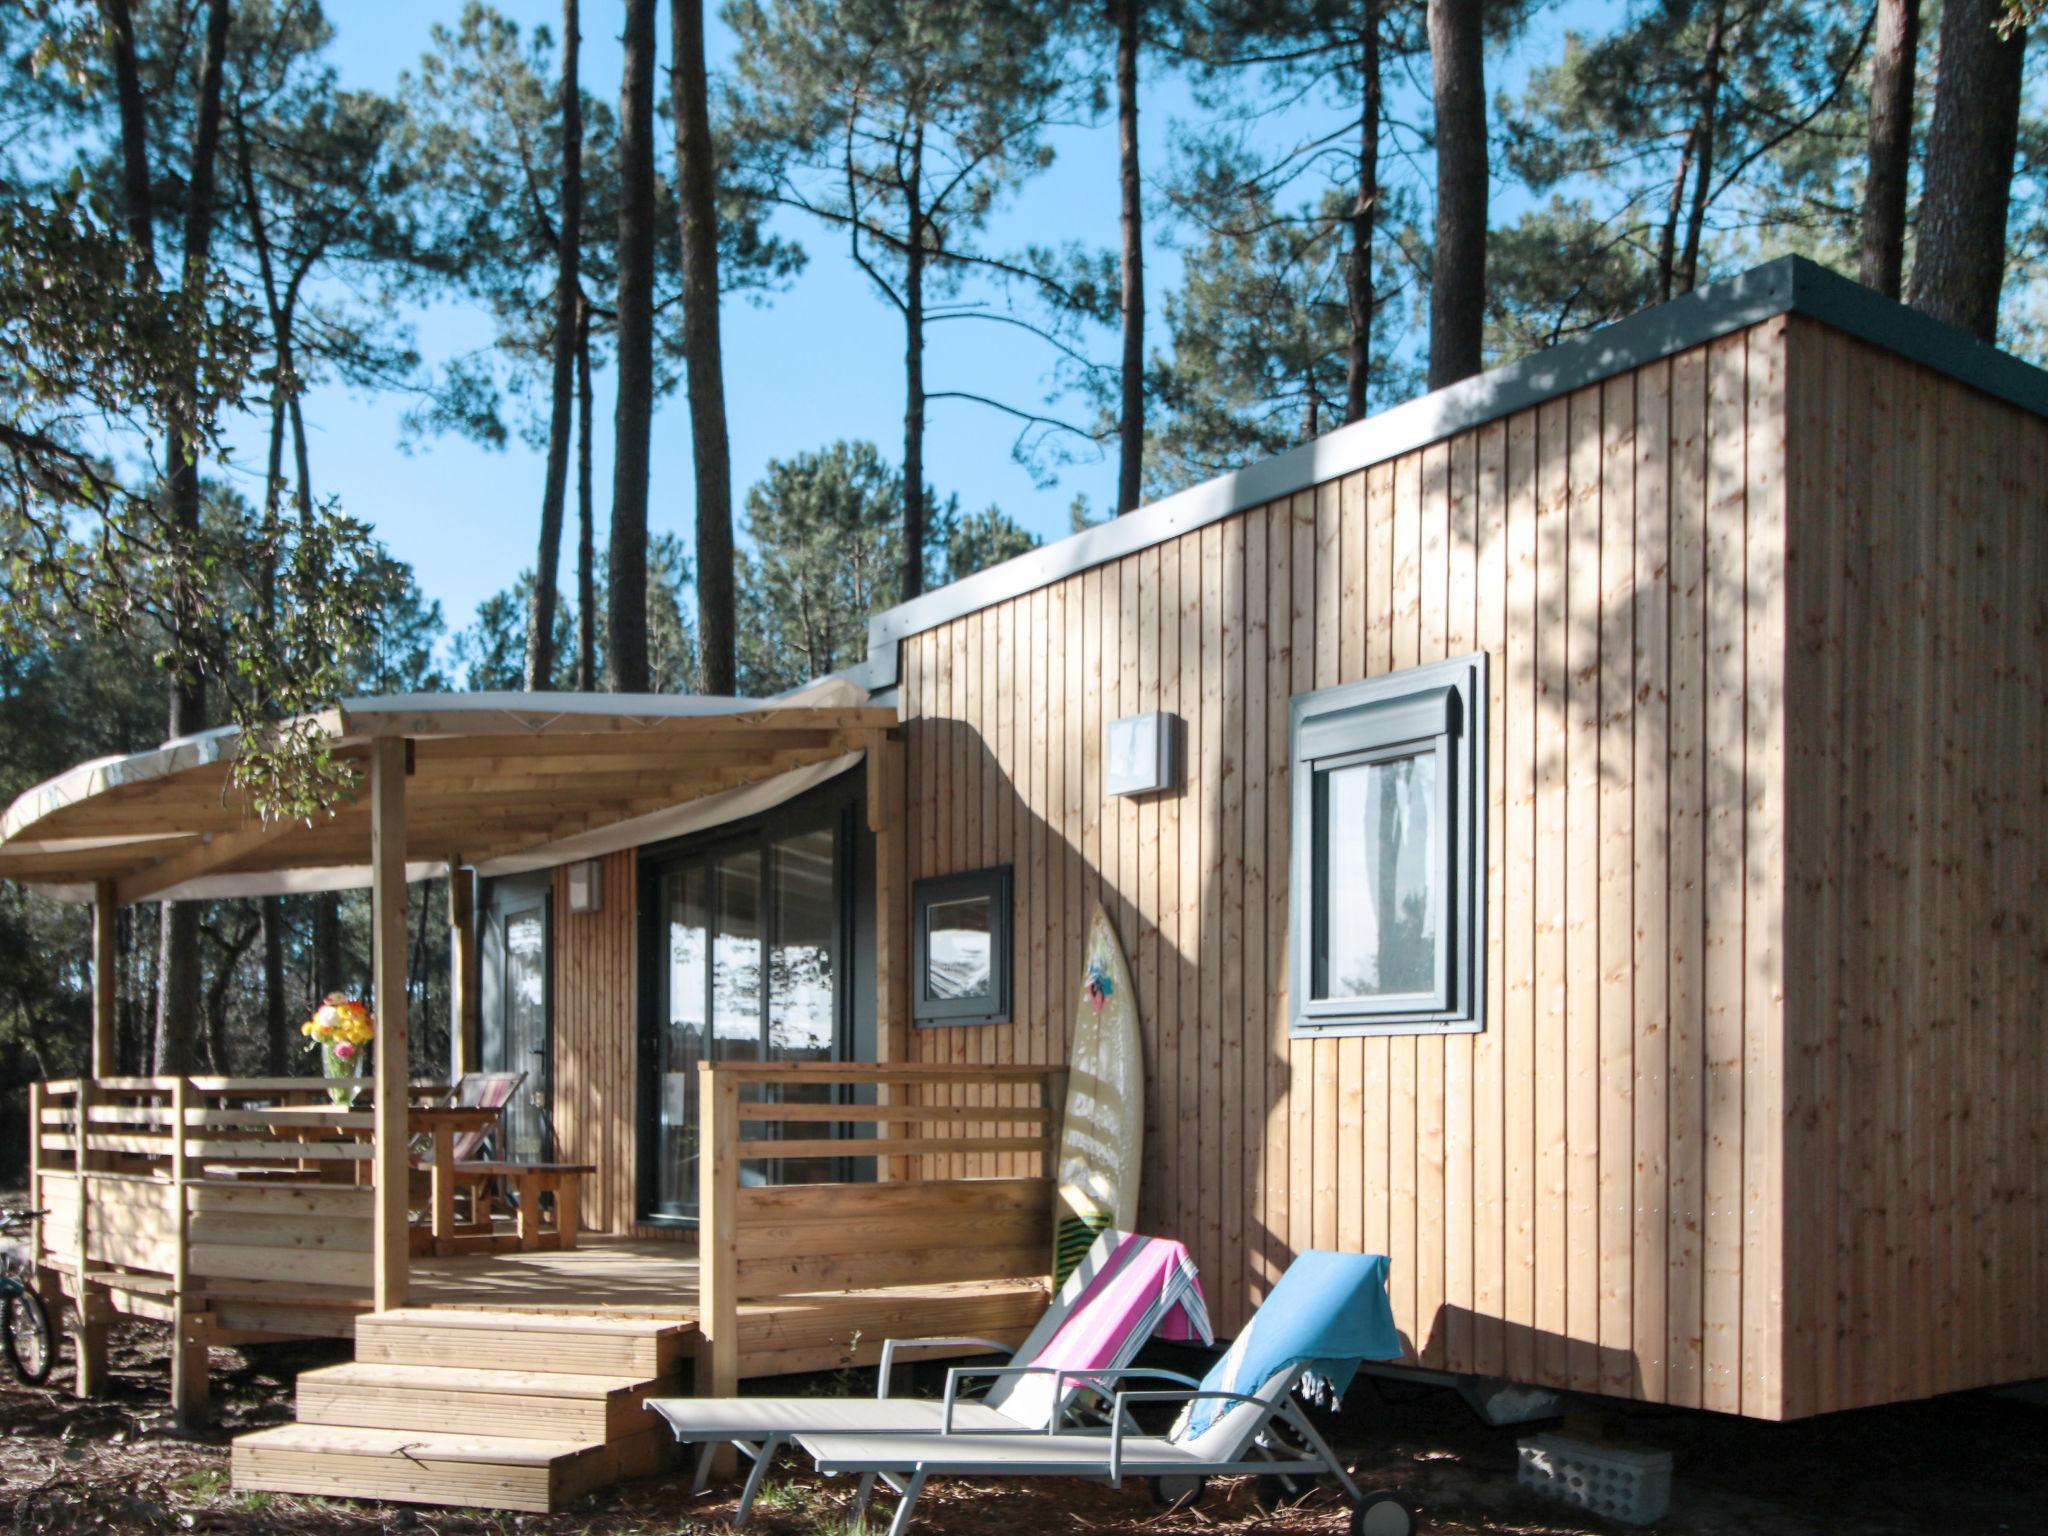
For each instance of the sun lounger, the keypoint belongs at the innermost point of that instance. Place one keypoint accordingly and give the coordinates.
(1328, 1313)
(1124, 1291)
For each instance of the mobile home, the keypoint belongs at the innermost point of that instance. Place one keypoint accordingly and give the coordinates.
(1582, 833)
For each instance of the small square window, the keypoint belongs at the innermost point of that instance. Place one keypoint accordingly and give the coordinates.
(1388, 852)
(961, 926)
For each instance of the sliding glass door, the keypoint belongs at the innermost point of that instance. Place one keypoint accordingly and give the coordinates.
(749, 949)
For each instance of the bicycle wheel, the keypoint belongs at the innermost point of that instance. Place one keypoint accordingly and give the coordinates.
(31, 1345)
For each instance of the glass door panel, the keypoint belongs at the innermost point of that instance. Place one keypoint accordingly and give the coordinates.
(803, 1010)
(750, 938)
(686, 988)
(526, 1032)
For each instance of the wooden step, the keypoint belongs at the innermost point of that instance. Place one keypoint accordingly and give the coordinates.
(458, 1400)
(631, 1348)
(466, 1471)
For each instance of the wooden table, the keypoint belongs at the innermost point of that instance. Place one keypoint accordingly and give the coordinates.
(441, 1124)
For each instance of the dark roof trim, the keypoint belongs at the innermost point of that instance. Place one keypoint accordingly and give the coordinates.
(1791, 284)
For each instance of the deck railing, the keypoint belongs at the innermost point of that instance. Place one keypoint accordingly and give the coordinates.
(163, 1189)
(919, 1221)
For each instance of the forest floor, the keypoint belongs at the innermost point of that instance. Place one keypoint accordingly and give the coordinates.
(1960, 1466)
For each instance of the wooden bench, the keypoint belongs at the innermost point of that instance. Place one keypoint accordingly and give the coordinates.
(529, 1181)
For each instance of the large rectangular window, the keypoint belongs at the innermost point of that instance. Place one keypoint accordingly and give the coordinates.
(1388, 852)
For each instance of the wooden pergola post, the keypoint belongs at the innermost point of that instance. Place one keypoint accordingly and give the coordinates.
(391, 1250)
(465, 999)
(106, 912)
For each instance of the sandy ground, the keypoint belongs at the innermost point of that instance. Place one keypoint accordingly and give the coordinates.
(1959, 1466)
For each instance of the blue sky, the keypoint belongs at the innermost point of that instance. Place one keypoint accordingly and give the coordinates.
(819, 362)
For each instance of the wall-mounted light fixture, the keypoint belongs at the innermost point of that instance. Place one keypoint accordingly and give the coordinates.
(586, 886)
(1143, 756)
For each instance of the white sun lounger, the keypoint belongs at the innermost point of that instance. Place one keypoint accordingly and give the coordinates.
(1240, 1442)
(1025, 1399)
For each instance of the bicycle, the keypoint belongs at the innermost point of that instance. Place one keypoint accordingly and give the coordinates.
(25, 1333)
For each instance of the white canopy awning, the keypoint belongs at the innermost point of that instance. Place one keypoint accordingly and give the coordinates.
(504, 781)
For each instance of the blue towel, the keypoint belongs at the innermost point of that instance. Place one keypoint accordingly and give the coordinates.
(1329, 1312)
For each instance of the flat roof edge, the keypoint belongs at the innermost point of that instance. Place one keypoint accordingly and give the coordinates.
(1790, 284)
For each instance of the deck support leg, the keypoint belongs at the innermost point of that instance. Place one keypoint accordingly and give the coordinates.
(89, 1345)
(190, 1388)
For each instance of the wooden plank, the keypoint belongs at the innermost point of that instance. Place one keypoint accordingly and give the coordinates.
(1338, 1147)
(1552, 628)
(1520, 711)
(1686, 1068)
(718, 1232)
(895, 1146)
(1210, 866)
(1650, 827)
(1764, 873)
(1228, 1127)
(1255, 1010)
(1490, 1087)
(865, 1270)
(1399, 1053)
(1190, 804)
(1724, 881)
(1433, 1221)
(1304, 1055)
(1461, 1135)
(1618, 1368)
(1582, 894)
(1280, 1087)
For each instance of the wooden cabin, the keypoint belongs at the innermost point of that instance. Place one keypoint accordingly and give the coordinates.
(1582, 833)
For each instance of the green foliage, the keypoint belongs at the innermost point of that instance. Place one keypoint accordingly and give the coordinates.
(490, 655)
(1559, 271)
(827, 553)
(1622, 121)
(981, 539)
(1259, 332)
(826, 556)
(481, 141)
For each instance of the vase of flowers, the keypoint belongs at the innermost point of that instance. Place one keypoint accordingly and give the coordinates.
(340, 1029)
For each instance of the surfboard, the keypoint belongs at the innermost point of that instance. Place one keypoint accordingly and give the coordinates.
(1102, 1133)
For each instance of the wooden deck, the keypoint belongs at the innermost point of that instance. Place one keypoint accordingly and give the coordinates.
(622, 1276)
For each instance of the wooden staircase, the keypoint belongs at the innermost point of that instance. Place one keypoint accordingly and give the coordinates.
(489, 1410)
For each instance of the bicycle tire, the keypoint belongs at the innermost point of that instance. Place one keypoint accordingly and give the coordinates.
(24, 1314)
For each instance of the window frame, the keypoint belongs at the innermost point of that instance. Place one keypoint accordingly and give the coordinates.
(994, 885)
(1440, 709)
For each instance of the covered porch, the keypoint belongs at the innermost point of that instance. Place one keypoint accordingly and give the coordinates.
(238, 1210)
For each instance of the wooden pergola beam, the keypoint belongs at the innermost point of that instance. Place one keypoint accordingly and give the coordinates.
(214, 853)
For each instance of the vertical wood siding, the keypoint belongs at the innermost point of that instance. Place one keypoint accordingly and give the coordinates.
(1916, 1223)
(1587, 1193)
(596, 982)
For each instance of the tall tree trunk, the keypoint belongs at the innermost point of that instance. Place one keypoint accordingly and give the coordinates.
(1674, 208)
(327, 976)
(1457, 293)
(136, 212)
(586, 538)
(697, 172)
(913, 375)
(1959, 267)
(1705, 135)
(276, 1032)
(1365, 215)
(1893, 59)
(178, 998)
(1131, 416)
(626, 656)
(541, 602)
